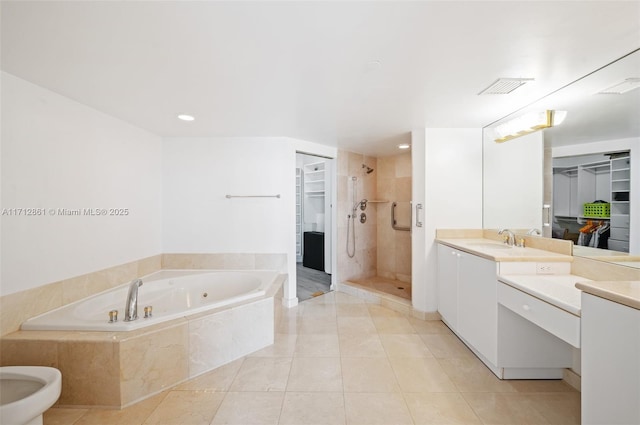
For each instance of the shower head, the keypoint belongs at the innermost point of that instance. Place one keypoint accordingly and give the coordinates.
(369, 169)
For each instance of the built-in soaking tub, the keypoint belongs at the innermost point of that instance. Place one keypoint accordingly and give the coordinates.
(202, 319)
(170, 293)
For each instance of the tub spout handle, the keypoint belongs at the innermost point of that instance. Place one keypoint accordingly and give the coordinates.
(113, 316)
(131, 307)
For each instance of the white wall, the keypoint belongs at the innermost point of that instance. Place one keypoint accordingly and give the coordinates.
(452, 199)
(420, 286)
(57, 153)
(199, 173)
(513, 182)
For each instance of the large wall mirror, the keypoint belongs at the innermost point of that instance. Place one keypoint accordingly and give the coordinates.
(542, 180)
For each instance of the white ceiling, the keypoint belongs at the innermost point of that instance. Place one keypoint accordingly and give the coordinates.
(358, 75)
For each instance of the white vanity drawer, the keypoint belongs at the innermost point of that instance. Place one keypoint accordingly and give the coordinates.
(554, 320)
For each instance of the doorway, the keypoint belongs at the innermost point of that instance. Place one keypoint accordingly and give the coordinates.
(313, 225)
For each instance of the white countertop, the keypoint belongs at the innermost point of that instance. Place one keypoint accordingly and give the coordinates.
(557, 290)
(498, 251)
(622, 292)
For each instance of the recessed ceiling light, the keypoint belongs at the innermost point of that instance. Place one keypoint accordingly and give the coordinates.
(185, 117)
(404, 146)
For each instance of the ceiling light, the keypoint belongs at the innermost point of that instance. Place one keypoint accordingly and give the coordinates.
(622, 87)
(404, 146)
(185, 117)
(505, 85)
(528, 123)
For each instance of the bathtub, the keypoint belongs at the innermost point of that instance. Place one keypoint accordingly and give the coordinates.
(171, 293)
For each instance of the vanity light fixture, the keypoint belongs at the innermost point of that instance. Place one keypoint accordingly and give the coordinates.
(528, 123)
(404, 146)
(185, 117)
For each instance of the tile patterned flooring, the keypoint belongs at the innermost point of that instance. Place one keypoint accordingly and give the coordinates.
(385, 285)
(310, 281)
(338, 360)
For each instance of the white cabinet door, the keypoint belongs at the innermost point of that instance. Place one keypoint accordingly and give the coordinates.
(610, 362)
(448, 285)
(478, 304)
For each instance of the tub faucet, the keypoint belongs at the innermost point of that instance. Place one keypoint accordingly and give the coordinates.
(131, 308)
(535, 232)
(509, 240)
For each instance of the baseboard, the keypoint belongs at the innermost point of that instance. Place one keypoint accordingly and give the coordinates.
(572, 379)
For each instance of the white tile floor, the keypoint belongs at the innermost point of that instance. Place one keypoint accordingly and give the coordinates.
(337, 360)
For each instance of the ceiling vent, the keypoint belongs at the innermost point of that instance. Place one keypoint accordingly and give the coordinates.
(505, 85)
(622, 87)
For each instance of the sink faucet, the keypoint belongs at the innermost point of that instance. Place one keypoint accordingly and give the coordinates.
(131, 308)
(509, 240)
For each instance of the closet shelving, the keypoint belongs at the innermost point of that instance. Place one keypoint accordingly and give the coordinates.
(607, 180)
(593, 184)
(299, 204)
(314, 179)
(620, 202)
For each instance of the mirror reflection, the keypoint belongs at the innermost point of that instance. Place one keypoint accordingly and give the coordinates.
(579, 180)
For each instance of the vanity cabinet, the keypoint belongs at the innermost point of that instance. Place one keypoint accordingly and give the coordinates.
(512, 344)
(448, 284)
(467, 298)
(610, 362)
(478, 304)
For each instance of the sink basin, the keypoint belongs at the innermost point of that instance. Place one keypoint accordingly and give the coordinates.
(489, 245)
(26, 392)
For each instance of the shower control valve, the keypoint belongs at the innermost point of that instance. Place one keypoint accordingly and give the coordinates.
(363, 218)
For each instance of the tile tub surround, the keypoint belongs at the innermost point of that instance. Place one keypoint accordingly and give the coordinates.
(17, 307)
(117, 369)
(377, 366)
(20, 306)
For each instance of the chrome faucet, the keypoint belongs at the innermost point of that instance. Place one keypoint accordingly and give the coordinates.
(509, 240)
(534, 232)
(131, 308)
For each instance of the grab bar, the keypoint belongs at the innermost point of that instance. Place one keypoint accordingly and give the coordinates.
(393, 219)
(252, 196)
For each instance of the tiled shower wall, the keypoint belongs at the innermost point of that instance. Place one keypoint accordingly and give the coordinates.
(394, 246)
(380, 250)
(363, 263)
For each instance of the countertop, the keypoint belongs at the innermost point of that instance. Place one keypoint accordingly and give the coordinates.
(622, 292)
(557, 290)
(498, 251)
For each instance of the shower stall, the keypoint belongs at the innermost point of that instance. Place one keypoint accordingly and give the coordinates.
(374, 222)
